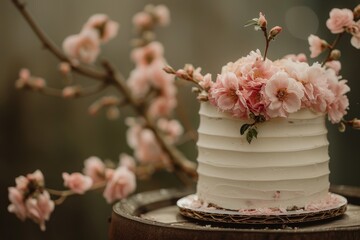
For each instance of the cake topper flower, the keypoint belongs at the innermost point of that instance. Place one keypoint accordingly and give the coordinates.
(256, 89)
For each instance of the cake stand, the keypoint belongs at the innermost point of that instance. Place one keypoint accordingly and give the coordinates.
(155, 215)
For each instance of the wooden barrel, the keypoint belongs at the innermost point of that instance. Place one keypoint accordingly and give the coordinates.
(154, 215)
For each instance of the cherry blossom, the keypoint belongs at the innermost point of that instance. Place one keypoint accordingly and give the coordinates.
(39, 208)
(147, 54)
(121, 183)
(339, 20)
(127, 161)
(29, 199)
(317, 45)
(106, 28)
(162, 15)
(142, 20)
(95, 169)
(284, 95)
(227, 96)
(77, 182)
(355, 39)
(83, 47)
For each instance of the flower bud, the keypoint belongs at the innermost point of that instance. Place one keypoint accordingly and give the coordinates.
(356, 123)
(113, 113)
(195, 90)
(64, 68)
(335, 54)
(169, 69)
(357, 12)
(70, 91)
(262, 23)
(274, 32)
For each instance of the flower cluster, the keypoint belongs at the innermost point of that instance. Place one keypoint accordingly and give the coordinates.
(258, 89)
(149, 90)
(253, 87)
(31, 199)
(85, 46)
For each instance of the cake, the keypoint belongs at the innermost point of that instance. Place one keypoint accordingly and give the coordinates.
(285, 167)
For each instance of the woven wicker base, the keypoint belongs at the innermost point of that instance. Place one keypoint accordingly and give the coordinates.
(189, 208)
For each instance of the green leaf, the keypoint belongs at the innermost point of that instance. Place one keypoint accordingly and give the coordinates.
(243, 128)
(249, 136)
(254, 132)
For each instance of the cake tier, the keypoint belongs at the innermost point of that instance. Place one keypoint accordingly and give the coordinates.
(286, 166)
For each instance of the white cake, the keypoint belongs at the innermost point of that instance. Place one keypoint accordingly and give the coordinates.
(285, 167)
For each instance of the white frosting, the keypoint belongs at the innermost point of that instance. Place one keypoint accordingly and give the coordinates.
(286, 166)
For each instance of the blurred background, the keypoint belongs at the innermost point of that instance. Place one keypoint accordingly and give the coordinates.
(56, 135)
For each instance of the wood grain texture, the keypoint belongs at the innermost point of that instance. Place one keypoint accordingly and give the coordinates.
(154, 215)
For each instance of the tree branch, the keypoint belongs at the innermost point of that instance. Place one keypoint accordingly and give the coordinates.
(111, 76)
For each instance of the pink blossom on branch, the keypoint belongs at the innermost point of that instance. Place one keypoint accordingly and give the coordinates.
(77, 182)
(339, 20)
(29, 199)
(122, 182)
(162, 15)
(106, 28)
(95, 169)
(142, 20)
(317, 45)
(355, 39)
(17, 205)
(83, 47)
(143, 56)
(40, 208)
(127, 161)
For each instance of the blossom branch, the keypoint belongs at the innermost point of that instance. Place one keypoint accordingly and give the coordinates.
(48, 44)
(116, 79)
(178, 159)
(332, 48)
(66, 193)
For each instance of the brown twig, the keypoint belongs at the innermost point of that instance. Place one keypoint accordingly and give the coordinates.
(66, 193)
(331, 48)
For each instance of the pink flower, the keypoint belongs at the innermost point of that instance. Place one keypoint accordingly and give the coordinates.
(127, 161)
(317, 45)
(337, 108)
(284, 95)
(161, 107)
(95, 169)
(142, 20)
(138, 82)
(65, 68)
(120, 185)
(206, 83)
(83, 47)
(29, 199)
(171, 128)
(143, 56)
(77, 182)
(107, 28)
(226, 94)
(355, 39)
(162, 15)
(36, 177)
(274, 31)
(17, 205)
(40, 208)
(339, 20)
(262, 20)
(335, 65)
(301, 57)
